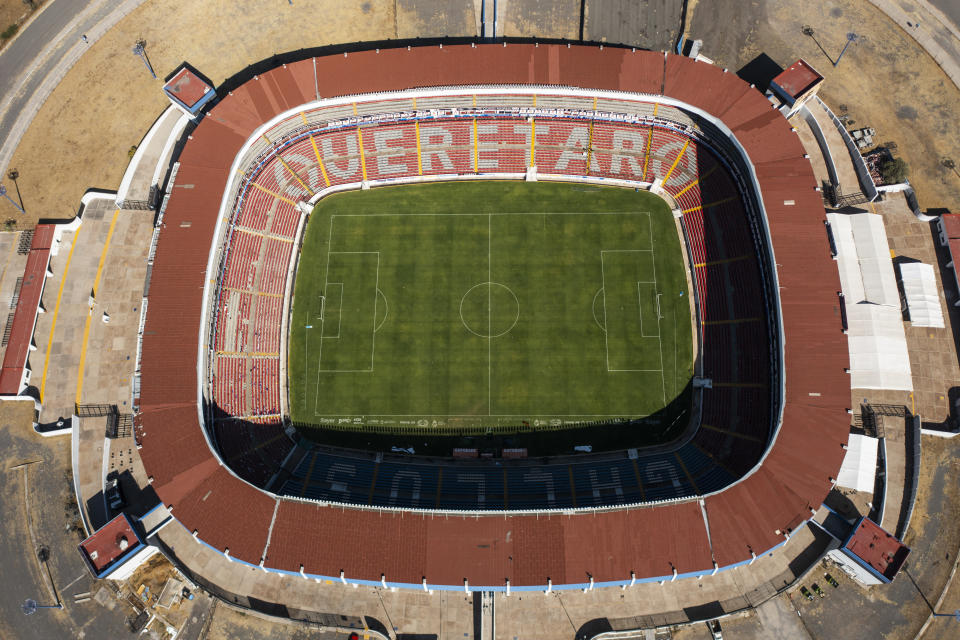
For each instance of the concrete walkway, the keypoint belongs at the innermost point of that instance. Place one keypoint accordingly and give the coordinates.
(529, 615)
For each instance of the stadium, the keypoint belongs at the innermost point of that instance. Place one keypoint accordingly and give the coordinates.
(763, 423)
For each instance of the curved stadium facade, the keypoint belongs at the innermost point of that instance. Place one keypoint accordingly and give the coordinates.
(769, 430)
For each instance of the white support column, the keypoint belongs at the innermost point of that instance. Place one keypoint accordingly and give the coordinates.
(549, 587)
(508, 587)
(343, 578)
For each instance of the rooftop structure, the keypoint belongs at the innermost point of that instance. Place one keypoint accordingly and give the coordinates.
(115, 549)
(796, 84)
(879, 554)
(188, 91)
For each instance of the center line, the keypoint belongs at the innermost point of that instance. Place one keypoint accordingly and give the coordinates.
(489, 314)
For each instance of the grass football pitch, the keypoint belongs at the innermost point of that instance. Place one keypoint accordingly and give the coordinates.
(474, 307)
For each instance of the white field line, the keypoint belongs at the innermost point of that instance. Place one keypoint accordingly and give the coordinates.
(489, 313)
(659, 339)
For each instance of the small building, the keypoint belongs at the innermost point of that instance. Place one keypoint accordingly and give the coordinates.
(795, 85)
(115, 550)
(870, 554)
(188, 91)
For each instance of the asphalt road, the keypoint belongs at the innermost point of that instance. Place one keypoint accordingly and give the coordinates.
(950, 8)
(27, 46)
(16, 59)
(32, 65)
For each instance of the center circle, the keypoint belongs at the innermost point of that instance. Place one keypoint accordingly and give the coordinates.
(489, 309)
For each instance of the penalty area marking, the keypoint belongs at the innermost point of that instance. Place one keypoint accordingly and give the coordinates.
(603, 288)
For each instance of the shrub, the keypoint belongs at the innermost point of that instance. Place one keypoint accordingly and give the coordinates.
(7, 33)
(894, 171)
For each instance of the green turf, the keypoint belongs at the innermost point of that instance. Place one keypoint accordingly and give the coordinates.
(464, 307)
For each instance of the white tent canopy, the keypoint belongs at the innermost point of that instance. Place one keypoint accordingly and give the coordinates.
(859, 465)
(923, 299)
(875, 337)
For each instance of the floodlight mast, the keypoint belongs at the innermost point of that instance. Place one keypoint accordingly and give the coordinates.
(138, 50)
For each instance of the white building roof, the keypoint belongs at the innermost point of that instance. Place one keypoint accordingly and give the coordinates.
(923, 298)
(859, 465)
(875, 337)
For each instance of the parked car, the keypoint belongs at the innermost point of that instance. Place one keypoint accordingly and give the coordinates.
(113, 492)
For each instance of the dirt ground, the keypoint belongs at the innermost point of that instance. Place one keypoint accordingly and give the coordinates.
(886, 80)
(37, 511)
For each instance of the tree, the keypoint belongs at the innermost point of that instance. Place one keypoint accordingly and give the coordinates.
(894, 171)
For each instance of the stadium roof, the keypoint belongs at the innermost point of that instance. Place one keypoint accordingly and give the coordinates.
(746, 519)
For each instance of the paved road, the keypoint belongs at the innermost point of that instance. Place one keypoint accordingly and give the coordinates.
(36, 61)
(950, 8)
(25, 48)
